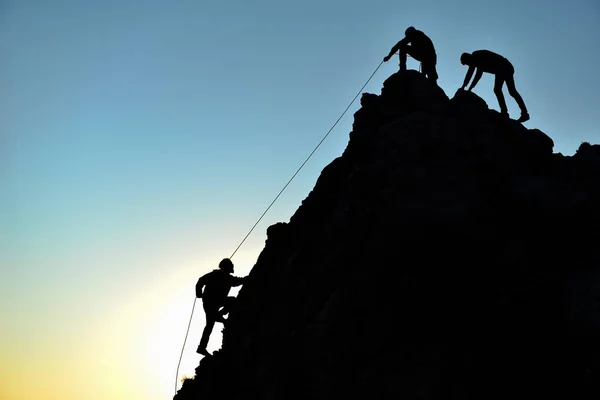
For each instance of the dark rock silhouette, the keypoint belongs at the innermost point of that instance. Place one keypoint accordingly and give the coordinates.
(447, 254)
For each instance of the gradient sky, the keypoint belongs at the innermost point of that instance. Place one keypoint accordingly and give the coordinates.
(141, 140)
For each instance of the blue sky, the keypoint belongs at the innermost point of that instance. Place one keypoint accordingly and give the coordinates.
(140, 141)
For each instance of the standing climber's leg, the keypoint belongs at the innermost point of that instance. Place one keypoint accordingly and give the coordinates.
(227, 306)
(498, 83)
(429, 71)
(403, 52)
(512, 90)
(211, 317)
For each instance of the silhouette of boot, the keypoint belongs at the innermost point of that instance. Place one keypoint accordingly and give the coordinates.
(202, 351)
(524, 117)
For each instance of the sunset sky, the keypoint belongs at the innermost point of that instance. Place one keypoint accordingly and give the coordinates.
(141, 140)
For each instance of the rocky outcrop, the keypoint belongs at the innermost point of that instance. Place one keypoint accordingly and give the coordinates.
(448, 253)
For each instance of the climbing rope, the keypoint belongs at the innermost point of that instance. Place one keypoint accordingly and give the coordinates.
(269, 207)
(184, 340)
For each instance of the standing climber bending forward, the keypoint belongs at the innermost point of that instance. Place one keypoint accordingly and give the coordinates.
(488, 61)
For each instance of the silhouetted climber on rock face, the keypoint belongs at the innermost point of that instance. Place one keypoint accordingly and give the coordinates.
(488, 61)
(420, 48)
(213, 288)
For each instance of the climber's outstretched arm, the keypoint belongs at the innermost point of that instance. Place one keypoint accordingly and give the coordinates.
(476, 79)
(237, 281)
(468, 76)
(396, 47)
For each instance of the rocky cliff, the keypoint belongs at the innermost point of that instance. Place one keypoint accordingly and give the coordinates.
(448, 253)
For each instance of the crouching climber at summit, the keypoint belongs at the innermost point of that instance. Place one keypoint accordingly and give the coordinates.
(214, 288)
(417, 45)
(488, 61)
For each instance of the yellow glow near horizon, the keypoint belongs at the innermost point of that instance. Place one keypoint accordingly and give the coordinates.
(161, 317)
(128, 351)
(164, 313)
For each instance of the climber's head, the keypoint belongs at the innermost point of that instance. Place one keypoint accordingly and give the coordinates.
(226, 265)
(410, 31)
(465, 59)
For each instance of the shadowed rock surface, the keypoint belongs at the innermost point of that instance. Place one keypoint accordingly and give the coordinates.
(447, 254)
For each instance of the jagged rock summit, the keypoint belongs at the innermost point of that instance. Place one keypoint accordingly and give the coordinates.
(447, 254)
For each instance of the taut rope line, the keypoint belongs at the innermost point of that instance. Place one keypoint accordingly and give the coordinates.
(269, 207)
